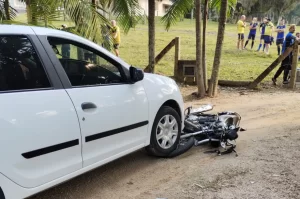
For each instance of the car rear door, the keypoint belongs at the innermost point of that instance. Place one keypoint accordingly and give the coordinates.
(113, 113)
(40, 134)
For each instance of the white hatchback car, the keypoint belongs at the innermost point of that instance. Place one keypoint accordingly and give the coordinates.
(69, 106)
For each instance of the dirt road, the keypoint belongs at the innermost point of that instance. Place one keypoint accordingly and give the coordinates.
(268, 165)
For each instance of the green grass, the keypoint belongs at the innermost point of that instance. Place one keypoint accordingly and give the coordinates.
(235, 65)
(56, 23)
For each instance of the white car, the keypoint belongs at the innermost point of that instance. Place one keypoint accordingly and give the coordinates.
(68, 106)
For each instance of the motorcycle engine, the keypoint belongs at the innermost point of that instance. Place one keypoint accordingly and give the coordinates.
(199, 122)
(217, 126)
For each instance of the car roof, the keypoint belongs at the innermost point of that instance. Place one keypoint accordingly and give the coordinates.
(15, 29)
(33, 30)
(23, 29)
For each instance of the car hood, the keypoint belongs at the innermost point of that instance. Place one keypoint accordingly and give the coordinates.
(159, 79)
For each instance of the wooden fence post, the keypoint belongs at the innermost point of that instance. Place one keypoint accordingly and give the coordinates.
(294, 66)
(270, 68)
(177, 56)
(162, 54)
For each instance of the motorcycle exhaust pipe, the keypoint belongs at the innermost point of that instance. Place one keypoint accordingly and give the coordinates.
(205, 141)
(191, 134)
(196, 133)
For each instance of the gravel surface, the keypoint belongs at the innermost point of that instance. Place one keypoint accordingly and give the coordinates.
(267, 165)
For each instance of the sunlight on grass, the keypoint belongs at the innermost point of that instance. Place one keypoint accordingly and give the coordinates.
(235, 65)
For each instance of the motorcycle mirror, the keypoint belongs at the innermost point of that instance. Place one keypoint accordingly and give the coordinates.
(203, 108)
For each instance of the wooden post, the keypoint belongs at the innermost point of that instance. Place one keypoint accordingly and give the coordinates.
(294, 66)
(177, 56)
(230, 83)
(161, 54)
(264, 74)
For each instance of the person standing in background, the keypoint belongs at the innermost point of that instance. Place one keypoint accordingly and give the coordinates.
(116, 36)
(262, 28)
(241, 32)
(252, 33)
(280, 36)
(286, 64)
(268, 34)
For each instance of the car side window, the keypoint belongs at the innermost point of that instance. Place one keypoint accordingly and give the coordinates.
(83, 66)
(20, 66)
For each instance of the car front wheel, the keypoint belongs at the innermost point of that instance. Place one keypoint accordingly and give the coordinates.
(165, 133)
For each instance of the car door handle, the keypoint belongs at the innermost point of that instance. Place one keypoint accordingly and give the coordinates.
(88, 105)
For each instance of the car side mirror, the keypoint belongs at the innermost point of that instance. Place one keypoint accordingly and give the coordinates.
(136, 74)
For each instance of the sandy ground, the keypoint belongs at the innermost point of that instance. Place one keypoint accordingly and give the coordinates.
(268, 165)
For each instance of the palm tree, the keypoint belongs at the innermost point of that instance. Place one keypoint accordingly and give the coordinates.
(176, 11)
(45, 10)
(213, 85)
(6, 7)
(182, 7)
(6, 11)
(204, 67)
(88, 16)
(200, 76)
(106, 5)
(151, 30)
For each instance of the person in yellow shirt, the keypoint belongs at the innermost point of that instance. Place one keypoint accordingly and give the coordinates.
(116, 36)
(241, 25)
(268, 35)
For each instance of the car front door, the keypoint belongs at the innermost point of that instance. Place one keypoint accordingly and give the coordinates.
(40, 134)
(113, 113)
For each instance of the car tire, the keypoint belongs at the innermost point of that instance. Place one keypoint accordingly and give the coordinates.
(165, 132)
(183, 147)
(215, 144)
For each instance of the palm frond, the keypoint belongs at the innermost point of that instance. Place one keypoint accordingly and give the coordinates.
(176, 11)
(217, 4)
(105, 3)
(87, 19)
(6, 11)
(128, 13)
(45, 10)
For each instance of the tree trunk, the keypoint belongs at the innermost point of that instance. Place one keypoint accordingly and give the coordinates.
(204, 44)
(94, 3)
(6, 7)
(33, 11)
(151, 27)
(64, 10)
(28, 12)
(46, 21)
(199, 77)
(213, 85)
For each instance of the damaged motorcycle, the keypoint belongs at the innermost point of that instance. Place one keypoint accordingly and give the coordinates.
(220, 130)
